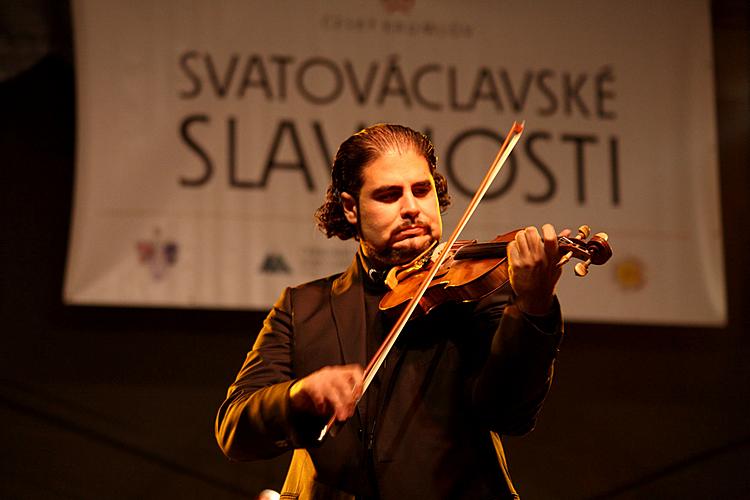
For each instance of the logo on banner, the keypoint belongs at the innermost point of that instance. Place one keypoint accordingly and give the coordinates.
(157, 255)
(398, 5)
(275, 263)
(398, 20)
(630, 274)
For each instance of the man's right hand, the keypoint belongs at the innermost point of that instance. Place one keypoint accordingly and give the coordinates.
(332, 390)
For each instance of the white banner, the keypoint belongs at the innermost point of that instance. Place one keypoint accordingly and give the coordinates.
(206, 130)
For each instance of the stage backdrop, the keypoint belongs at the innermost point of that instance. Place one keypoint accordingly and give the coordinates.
(206, 131)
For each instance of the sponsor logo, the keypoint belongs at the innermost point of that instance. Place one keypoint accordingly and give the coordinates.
(275, 263)
(397, 19)
(157, 254)
(404, 6)
(630, 274)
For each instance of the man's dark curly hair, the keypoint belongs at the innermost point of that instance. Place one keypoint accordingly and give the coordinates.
(357, 152)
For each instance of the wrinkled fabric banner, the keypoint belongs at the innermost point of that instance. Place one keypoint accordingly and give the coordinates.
(206, 131)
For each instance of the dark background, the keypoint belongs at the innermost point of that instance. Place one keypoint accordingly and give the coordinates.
(120, 403)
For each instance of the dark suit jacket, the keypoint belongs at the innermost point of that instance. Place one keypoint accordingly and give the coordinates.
(458, 377)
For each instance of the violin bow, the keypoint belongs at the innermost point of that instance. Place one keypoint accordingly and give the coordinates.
(377, 360)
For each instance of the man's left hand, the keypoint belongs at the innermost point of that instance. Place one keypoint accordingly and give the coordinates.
(533, 268)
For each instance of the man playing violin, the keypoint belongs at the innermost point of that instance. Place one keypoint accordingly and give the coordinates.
(458, 378)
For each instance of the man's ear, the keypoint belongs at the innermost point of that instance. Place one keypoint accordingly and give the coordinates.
(349, 204)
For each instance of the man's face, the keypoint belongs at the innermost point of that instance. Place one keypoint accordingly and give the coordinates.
(397, 215)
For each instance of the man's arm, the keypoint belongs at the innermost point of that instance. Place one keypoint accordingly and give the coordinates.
(267, 410)
(517, 375)
(255, 420)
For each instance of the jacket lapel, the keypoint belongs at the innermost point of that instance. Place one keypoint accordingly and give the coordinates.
(348, 309)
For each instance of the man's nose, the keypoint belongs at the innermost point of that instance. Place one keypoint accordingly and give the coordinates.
(409, 207)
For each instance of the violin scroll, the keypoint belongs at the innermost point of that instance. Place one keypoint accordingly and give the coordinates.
(595, 251)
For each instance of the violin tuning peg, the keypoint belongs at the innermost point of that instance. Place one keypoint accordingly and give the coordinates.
(564, 259)
(583, 232)
(582, 268)
(602, 236)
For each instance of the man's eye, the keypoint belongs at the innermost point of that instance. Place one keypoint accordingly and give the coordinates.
(421, 191)
(388, 196)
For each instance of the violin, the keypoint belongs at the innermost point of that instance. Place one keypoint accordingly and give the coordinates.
(474, 270)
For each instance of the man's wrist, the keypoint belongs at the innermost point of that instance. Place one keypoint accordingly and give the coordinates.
(535, 307)
(296, 400)
(547, 322)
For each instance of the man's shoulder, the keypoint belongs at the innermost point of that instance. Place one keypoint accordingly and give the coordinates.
(323, 283)
(313, 294)
(338, 282)
(309, 298)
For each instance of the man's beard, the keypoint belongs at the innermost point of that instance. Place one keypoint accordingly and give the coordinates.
(390, 256)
